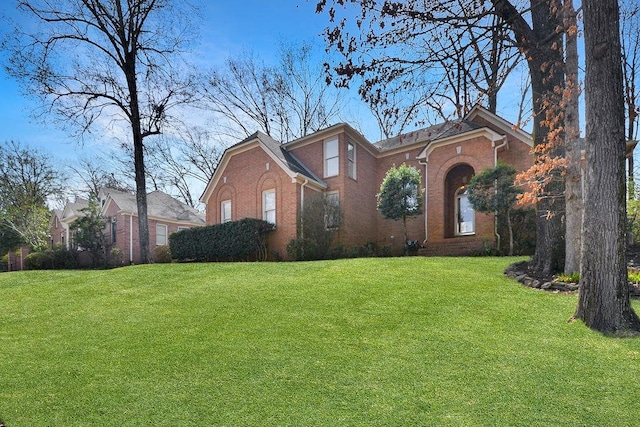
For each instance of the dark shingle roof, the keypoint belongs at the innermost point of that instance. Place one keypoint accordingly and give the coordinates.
(291, 161)
(428, 134)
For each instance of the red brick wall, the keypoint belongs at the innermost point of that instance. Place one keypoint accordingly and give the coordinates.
(478, 153)
(389, 232)
(243, 181)
(246, 175)
(57, 233)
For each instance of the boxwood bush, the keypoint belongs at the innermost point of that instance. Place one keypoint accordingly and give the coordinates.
(243, 240)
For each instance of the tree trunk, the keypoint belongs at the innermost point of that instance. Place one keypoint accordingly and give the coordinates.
(573, 179)
(541, 44)
(138, 158)
(603, 302)
(549, 254)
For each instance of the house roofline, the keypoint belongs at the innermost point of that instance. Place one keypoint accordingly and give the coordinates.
(330, 131)
(510, 128)
(490, 134)
(243, 146)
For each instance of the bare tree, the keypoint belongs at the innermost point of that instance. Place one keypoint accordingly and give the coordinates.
(603, 302)
(176, 163)
(286, 100)
(124, 69)
(95, 174)
(403, 45)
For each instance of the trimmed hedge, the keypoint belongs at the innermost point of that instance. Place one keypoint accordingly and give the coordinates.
(243, 240)
(56, 258)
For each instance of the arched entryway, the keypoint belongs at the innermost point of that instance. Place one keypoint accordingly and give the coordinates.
(459, 216)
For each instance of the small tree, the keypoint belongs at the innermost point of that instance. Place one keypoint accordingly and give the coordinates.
(493, 190)
(90, 232)
(401, 195)
(318, 225)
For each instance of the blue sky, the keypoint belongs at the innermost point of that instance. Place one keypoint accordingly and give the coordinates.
(227, 29)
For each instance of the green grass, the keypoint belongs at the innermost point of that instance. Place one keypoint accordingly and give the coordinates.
(366, 342)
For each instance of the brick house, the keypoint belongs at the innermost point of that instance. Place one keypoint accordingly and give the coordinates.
(260, 178)
(166, 215)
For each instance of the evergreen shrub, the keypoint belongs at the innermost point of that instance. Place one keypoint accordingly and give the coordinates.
(243, 240)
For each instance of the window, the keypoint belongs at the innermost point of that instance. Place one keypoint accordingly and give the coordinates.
(225, 211)
(351, 160)
(182, 227)
(465, 215)
(332, 211)
(269, 206)
(331, 157)
(114, 229)
(161, 235)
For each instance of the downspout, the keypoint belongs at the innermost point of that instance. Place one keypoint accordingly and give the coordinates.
(306, 181)
(131, 239)
(426, 200)
(495, 187)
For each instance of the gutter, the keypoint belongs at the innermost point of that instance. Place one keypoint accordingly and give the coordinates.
(426, 200)
(306, 181)
(131, 239)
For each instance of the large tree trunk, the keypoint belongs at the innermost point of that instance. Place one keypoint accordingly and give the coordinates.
(604, 293)
(573, 179)
(550, 231)
(541, 44)
(138, 159)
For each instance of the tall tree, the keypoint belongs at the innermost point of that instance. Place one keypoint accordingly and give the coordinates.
(630, 40)
(28, 180)
(393, 47)
(573, 145)
(95, 173)
(125, 68)
(603, 302)
(286, 100)
(450, 52)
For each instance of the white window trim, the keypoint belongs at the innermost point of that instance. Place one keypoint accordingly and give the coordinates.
(327, 159)
(166, 236)
(352, 161)
(265, 212)
(459, 195)
(223, 218)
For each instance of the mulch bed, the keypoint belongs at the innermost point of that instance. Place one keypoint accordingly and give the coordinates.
(521, 272)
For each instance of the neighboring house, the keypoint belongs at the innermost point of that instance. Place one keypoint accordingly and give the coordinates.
(260, 178)
(165, 214)
(59, 232)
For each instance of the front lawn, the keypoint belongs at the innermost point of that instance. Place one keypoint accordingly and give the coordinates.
(366, 342)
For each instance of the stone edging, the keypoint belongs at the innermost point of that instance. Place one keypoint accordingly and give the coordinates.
(518, 272)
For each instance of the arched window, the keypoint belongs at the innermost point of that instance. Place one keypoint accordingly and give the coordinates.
(459, 217)
(465, 215)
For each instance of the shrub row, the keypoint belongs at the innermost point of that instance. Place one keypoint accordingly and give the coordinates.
(242, 240)
(56, 258)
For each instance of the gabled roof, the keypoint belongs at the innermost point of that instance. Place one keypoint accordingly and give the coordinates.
(291, 161)
(159, 206)
(72, 210)
(286, 160)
